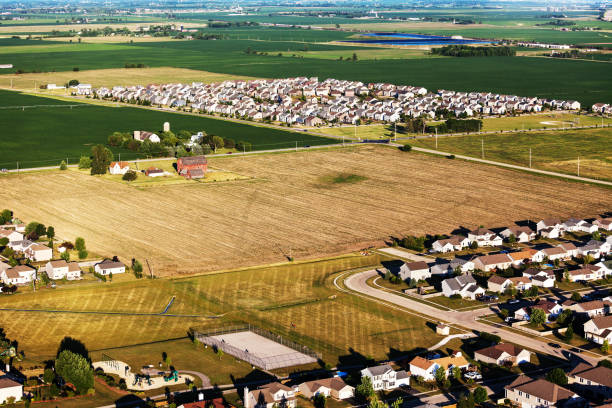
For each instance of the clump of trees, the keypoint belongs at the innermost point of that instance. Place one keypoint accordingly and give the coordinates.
(467, 51)
(101, 158)
(453, 125)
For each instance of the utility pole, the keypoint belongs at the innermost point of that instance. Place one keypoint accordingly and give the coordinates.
(436, 138)
(395, 131)
(296, 146)
(578, 166)
(530, 157)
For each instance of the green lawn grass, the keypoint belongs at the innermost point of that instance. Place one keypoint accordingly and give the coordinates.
(44, 136)
(554, 150)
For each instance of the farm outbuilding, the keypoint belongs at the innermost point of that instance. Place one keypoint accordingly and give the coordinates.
(187, 166)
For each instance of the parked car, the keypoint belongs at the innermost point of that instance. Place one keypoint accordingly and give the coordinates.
(513, 301)
(554, 345)
(473, 375)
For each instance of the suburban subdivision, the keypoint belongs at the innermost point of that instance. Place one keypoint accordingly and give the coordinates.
(267, 204)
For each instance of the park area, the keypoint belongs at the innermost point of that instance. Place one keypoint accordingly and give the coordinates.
(299, 205)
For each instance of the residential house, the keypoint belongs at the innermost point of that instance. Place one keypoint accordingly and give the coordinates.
(109, 266)
(485, 237)
(329, 387)
(213, 403)
(569, 248)
(414, 270)
(527, 392)
(592, 308)
(11, 235)
(503, 354)
(424, 368)
(19, 275)
(383, 377)
(521, 283)
(550, 232)
(454, 243)
(550, 308)
(554, 253)
(604, 223)
(38, 252)
(118, 168)
(498, 284)
(594, 248)
(548, 223)
(61, 269)
(605, 267)
(599, 329)
(456, 359)
(586, 273)
(526, 256)
(541, 278)
(521, 234)
(10, 389)
(489, 262)
(270, 395)
(591, 381)
(462, 285)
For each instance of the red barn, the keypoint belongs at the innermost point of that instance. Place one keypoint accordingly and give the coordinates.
(185, 165)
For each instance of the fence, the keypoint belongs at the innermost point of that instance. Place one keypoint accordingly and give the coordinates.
(302, 355)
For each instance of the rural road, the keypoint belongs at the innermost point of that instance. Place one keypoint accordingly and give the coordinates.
(357, 283)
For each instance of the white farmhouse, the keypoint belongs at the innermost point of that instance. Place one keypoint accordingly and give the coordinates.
(109, 266)
(118, 168)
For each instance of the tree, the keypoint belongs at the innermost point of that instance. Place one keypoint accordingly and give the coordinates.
(466, 401)
(569, 333)
(101, 158)
(229, 143)
(50, 232)
(605, 347)
(75, 368)
(457, 373)
(49, 376)
(4, 242)
(84, 162)
(79, 243)
(217, 142)
(576, 297)
(538, 317)
(244, 146)
(365, 391)
(137, 268)
(319, 401)
(6, 216)
(63, 165)
(405, 148)
(73, 82)
(565, 317)
(557, 376)
(83, 254)
(480, 395)
(130, 175)
(440, 375)
(65, 256)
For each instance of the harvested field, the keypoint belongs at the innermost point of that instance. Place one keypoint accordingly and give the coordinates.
(113, 77)
(291, 207)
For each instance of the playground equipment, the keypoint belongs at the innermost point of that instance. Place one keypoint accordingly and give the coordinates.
(10, 352)
(172, 376)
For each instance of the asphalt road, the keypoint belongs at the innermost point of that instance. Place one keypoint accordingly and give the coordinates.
(467, 319)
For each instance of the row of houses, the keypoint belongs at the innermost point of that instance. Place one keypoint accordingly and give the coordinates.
(547, 228)
(306, 101)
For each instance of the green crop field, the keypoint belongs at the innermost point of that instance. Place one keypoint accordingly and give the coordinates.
(295, 300)
(585, 81)
(45, 135)
(554, 150)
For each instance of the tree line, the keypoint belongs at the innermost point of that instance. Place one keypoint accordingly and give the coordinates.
(466, 51)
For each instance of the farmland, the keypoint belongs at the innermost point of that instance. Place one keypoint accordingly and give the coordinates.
(62, 132)
(271, 297)
(555, 151)
(292, 205)
(585, 81)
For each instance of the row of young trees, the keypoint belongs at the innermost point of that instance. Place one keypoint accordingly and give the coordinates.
(468, 51)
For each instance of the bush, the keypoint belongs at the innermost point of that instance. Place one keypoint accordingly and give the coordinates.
(451, 156)
(557, 376)
(84, 162)
(79, 243)
(65, 256)
(83, 254)
(489, 337)
(405, 148)
(63, 165)
(99, 276)
(130, 175)
(244, 146)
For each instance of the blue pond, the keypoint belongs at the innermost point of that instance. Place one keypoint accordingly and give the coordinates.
(415, 39)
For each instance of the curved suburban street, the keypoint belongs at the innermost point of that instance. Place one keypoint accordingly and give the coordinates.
(358, 283)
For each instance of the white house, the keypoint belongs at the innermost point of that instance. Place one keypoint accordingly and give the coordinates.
(61, 269)
(594, 248)
(586, 273)
(383, 377)
(525, 392)
(414, 270)
(554, 253)
(548, 223)
(599, 329)
(454, 243)
(109, 266)
(522, 234)
(142, 135)
(334, 387)
(10, 389)
(269, 395)
(550, 232)
(38, 252)
(11, 235)
(604, 223)
(19, 275)
(426, 368)
(463, 285)
(489, 262)
(543, 279)
(118, 168)
(485, 237)
(503, 353)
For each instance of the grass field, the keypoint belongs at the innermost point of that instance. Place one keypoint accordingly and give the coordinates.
(270, 297)
(61, 132)
(292, 206)
(556, 151)
(113, 77)
(585, 81)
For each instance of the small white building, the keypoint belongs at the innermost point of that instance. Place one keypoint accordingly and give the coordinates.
(414, 270)
(118, 168)
(109, 266)
(10, 389)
